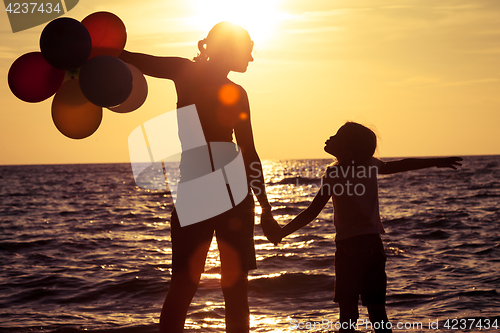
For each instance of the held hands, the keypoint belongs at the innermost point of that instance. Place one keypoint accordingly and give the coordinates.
(449, 162)
(270, 227)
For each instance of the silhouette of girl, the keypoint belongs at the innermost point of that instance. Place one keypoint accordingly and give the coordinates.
(360, 256)
(223, 108)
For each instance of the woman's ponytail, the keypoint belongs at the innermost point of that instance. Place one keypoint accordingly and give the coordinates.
(202, 56)
(223, 39)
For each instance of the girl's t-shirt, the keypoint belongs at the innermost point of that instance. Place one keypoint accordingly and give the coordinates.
(354, 190)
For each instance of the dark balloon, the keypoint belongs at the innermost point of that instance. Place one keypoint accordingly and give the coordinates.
(32, 79)
(65, 43)
(137, 96)
(108, 33)
(73, 115)
(106, 81)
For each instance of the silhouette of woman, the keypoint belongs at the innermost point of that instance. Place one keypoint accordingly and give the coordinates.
(223, 108)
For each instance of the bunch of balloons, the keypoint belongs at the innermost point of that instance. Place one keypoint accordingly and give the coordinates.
(78, 63)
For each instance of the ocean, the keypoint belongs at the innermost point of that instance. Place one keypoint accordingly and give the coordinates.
(83, 249)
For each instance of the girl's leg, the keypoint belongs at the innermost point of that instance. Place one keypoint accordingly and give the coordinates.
(348, 316)
(377, 314)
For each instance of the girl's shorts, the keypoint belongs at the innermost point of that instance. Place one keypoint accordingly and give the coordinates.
(360, 270)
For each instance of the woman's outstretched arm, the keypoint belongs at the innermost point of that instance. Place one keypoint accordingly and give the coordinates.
(160, 67)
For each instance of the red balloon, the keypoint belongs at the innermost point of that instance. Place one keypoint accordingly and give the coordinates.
(73, 115)
(137, 96)
(65, 43)
(108, 33)
(106, 81)
(32, 79)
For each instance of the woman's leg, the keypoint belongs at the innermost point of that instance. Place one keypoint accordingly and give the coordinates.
(183, 285)
(236, 304)
(174, 311)
(234, 283)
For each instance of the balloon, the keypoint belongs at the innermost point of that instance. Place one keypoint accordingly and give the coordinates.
(65, 43)
(73, 115)
(137, 96)
(32, 79)
(106, 81)
(108, 33)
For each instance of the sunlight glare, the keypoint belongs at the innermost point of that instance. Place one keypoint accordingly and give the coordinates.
(264, 321)
(259, 17)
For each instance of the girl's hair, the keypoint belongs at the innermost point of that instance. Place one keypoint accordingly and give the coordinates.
(361, 141)
(225, 37)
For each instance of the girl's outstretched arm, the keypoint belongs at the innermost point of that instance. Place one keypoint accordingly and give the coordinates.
(409, 164)
(160, 67)
(310, 213)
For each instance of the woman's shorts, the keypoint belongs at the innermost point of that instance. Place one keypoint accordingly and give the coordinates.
(234, 231)
(360, 270)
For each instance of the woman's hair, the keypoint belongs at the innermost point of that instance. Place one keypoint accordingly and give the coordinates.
(224, 38)
(361, 141)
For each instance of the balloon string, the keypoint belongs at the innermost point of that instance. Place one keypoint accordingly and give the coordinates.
(151, 156)
(147, 143)
(165, 175)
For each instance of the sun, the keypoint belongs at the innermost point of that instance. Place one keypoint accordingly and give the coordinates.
(259, 17)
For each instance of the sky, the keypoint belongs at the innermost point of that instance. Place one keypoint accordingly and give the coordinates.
(424, 74)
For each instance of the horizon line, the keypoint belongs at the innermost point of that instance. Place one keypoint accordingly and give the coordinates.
(263, 160)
